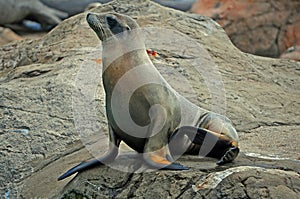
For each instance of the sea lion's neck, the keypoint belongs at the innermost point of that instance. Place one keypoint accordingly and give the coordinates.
(114, 69)
(115, 50)
(115, 57)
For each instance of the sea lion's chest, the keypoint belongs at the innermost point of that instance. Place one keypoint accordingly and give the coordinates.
(139, 100)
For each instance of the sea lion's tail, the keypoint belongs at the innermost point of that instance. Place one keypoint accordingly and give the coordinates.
(81, 167)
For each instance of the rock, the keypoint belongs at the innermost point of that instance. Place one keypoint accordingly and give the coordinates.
(76, 6)
(52, 112)
(204, 181)
(265, 28)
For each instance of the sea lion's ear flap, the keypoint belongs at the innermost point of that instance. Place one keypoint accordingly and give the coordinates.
(127, 28)
(114, 25)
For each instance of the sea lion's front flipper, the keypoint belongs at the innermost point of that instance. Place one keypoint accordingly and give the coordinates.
(160, 159)
(156, 150)
(80, 167)
(109, 156)
(175, 166)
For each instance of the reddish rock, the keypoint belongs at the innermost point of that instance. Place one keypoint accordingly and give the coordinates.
(266, 27)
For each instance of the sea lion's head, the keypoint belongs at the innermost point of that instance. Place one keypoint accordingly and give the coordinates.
(107, 25)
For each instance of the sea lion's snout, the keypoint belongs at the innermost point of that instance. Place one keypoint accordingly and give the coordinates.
(96, 23)
(108, 25)
(92, 19)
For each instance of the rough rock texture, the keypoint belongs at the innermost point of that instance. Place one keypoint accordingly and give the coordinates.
(263, 179)
(44, 131)
(266, 27)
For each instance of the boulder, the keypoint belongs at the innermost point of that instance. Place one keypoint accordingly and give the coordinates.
(52, 112)
(265, 28)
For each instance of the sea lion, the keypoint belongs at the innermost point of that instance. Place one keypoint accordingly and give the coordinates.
(159, 123)
(14, 11)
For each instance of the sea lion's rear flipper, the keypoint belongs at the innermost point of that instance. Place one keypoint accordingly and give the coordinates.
(221, 147)
(229, 155)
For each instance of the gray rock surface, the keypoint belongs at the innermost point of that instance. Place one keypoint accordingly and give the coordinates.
(76, 6)
(44, 131)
